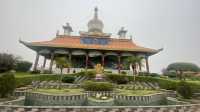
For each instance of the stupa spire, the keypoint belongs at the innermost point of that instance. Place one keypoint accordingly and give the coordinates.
(96, 12)
(95, 25)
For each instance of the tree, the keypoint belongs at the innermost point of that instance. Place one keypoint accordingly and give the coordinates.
(181, 67)
(7, 62)
(134, 62)
(7, 84)
(23, 66)
(62, 63)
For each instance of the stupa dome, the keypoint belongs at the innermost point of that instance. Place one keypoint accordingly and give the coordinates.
(95, 25)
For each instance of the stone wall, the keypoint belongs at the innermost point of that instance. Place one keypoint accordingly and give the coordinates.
(153, 99)
(176, 108)
(40, 99)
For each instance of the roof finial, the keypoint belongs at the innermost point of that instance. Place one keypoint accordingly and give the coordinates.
(57, 33)
(96, 12)
(67, 29)
(122, 33)
(131, 37)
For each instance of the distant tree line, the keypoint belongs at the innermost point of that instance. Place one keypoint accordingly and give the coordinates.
(180, 69)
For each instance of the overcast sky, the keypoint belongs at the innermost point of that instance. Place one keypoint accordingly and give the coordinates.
(171, 24)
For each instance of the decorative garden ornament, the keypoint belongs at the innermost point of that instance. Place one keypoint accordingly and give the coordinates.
(99, 72)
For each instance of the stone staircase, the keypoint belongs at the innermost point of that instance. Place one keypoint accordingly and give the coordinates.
(80, 79)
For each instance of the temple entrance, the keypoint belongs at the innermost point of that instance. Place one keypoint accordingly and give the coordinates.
(93, 61)
(111, 62)
(78, 61)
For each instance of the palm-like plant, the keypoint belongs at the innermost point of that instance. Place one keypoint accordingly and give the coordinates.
(134, 62)
(61, 63)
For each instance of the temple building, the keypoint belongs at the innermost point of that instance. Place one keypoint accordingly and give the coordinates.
(89, 48)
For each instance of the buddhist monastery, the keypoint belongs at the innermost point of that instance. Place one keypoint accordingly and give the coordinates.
(90, 47)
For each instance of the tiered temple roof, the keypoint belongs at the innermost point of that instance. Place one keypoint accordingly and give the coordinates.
(75, 42)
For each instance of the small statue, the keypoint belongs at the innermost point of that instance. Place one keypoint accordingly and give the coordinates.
(99, 72)
(99, 69)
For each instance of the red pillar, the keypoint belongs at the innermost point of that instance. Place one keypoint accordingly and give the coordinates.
(119, 63)
(140, 67)
(36, 61)
(86, 61)
(103, 59)
(44, 63)
(51, 63)
(147, 63)
(70, 60)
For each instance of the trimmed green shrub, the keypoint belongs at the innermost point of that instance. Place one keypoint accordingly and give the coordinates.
(171, 74)
(167, 84)
(107, 71)
(184, 89)
(119, 79)
(89, 73)
(7, 84)
(149, 74)
(123, 72)
(97, 86)
(68, 79)
(195, 87)
(143, 73)
(154, 75)
(35, 72)
(23, 66)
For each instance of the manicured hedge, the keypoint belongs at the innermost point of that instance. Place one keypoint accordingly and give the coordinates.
(195, 87)
(97, 86)
(89, 73)
(22, 81)
(68, 79)
(118, 79)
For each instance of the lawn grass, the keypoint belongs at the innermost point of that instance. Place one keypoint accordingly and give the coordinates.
(60, 91)
(27, 74)
(23, 74)
(137, 92)
(23, 79)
